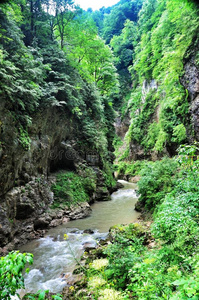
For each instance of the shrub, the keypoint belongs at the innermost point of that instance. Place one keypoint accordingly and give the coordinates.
(156, 180)
(130, 168)
(11, 278)
(71, 188)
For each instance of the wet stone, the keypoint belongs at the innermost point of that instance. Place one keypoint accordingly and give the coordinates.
(89, 231)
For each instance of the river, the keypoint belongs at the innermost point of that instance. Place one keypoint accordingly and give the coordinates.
(55, 254)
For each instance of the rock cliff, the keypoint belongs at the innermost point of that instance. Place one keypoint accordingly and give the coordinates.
(25, 174)
(190, 81)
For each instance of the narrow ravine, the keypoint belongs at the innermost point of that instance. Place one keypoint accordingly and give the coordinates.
(54, 255)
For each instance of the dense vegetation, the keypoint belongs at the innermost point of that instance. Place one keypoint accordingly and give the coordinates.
(170, 269)
(130, 57)
(73, 188)
(164, 43)
(51, 56)
(152, 45)
(160, 262)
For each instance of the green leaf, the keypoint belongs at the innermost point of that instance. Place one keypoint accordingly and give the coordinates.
(57, 297)
(180, 282)
(42, 295)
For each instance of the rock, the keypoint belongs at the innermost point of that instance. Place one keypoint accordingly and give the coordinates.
(102, 194)
(139, 206)
(118, 186)
(52, 214)
(81, 211)
(190, 81)
(75, 231)
(89, 231)
(25, 174)
(41, 223)
(59, 214)
(29, 228)
(134, 179)
(55, 223)
(24, 209)
(40, 233)
(194, 109)
(5, 227)
(88, 247)
(122, 125)
(65, 220)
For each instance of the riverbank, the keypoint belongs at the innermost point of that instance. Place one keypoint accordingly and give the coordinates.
(151, 260)
(56, 254)
(37, 228)
(34, 208)
(140, 259)
(98, 266)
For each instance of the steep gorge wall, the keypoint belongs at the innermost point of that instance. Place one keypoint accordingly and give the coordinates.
(25, 174)
(163, 104)
(49, 128)
(190, 81)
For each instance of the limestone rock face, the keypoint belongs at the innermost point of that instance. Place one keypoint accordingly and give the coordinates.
(102, 193)
(26, 214)
(17, 165)
(122, 126)
(195, 115)
(190, 80)
(26, 165)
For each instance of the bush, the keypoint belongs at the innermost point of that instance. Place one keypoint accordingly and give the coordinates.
(130, 168)
(123, 253)
(71, 188)
(156, 180)
(11, 278)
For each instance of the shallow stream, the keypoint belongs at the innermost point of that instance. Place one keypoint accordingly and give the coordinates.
(54, 256)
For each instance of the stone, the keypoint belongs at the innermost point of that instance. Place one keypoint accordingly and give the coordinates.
(24, 209)
(134, 179)
(139, 206)
(190, 80)
(89, 231)
(65, 220)
(102, 193)
(55, 223)
(81, 211)
(41, 223)
(89, 245)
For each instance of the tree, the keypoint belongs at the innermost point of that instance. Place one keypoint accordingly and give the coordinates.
(65, 12)
(89, 54)
(114, 22)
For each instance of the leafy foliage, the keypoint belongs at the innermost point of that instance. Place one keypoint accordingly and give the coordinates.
(130, 168)
(71, 188)
(164, 40)
(162, 263)
(124, 253)
(156, 181)
(11, 278)
(153, 48)
(79, 78)
(114, 22)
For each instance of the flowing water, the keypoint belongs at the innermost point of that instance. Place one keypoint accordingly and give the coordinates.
(54, 256)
